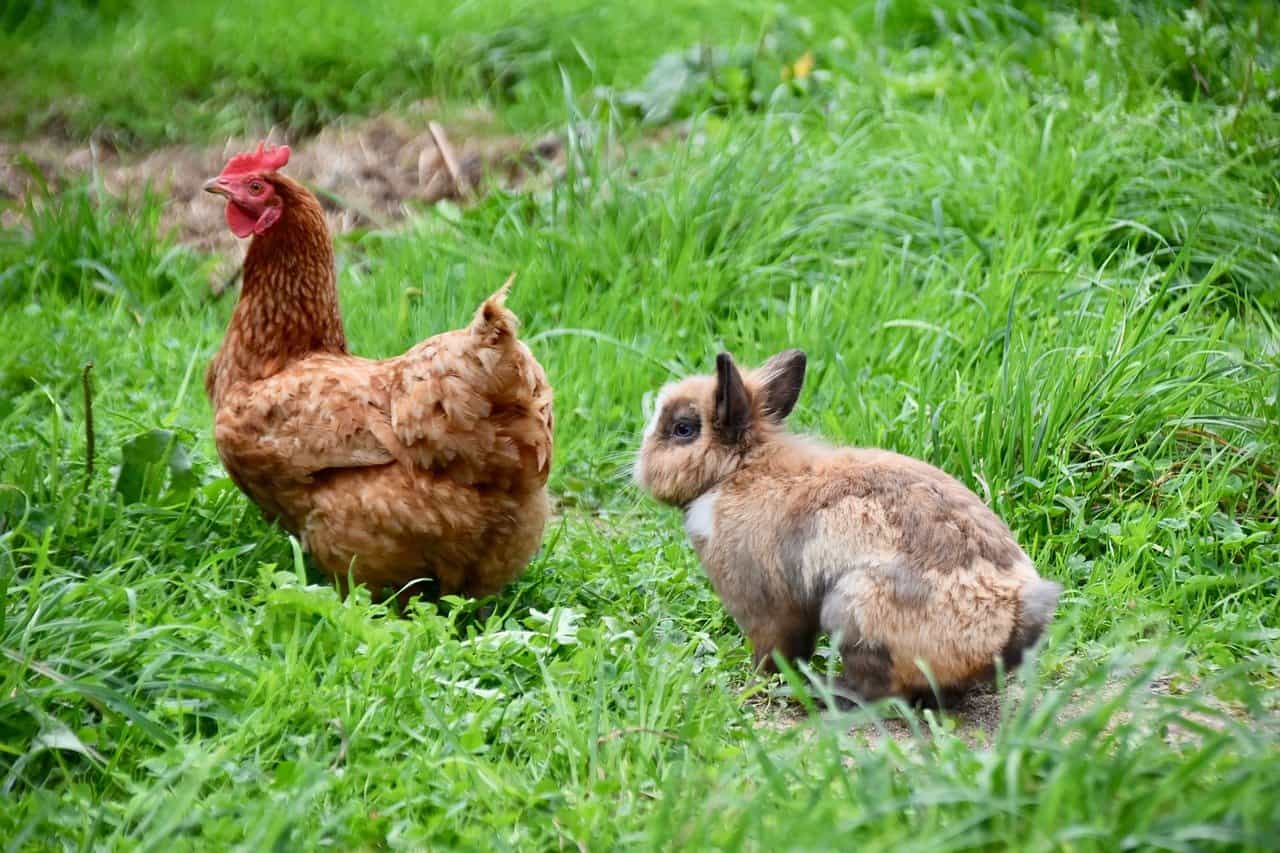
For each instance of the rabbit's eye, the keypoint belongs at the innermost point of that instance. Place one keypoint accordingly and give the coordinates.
(684, 429)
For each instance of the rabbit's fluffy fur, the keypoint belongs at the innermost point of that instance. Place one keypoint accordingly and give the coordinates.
(899, 561)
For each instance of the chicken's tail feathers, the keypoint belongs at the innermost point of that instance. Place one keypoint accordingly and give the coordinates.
(493, 320)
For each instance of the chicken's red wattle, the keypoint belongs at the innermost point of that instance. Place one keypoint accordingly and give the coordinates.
(241, 223)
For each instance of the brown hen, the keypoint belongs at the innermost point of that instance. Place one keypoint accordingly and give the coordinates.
(430, 465)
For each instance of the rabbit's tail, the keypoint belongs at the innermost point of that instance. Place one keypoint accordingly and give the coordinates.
(1038, 602)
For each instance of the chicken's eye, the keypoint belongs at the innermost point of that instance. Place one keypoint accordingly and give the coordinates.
(684, 429)
(255, 187)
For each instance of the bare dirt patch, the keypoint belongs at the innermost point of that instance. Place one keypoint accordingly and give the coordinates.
(976, 716)
(370, 172)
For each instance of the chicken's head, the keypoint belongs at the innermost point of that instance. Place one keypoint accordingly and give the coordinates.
(253, 201)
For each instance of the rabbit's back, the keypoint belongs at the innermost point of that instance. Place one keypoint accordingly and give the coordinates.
(923, 513)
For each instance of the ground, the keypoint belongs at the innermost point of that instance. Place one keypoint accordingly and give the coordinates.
(1035, 246)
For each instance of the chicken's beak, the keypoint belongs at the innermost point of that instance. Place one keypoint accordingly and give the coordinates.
(217, 187)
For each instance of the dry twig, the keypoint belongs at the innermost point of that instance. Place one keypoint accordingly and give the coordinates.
(450, 161)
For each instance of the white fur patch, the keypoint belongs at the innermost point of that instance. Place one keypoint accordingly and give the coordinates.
(700, 517)
(658, 405)
(637, 468)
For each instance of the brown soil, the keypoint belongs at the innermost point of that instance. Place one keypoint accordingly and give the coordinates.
(366, 173)
(976, 717)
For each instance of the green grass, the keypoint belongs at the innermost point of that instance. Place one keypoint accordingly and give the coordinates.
(200, 70)
(1016, 244)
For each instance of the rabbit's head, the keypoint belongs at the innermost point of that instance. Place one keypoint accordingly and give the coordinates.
(704, 427)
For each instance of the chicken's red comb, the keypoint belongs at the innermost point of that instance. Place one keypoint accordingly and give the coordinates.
(263, 160)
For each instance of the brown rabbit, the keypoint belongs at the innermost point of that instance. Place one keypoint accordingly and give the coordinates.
(899, 561)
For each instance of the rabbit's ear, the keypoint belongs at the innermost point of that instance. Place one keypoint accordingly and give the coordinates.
(733, 406)
(781, 379)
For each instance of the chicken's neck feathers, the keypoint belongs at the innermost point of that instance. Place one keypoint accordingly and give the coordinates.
(288, 306)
